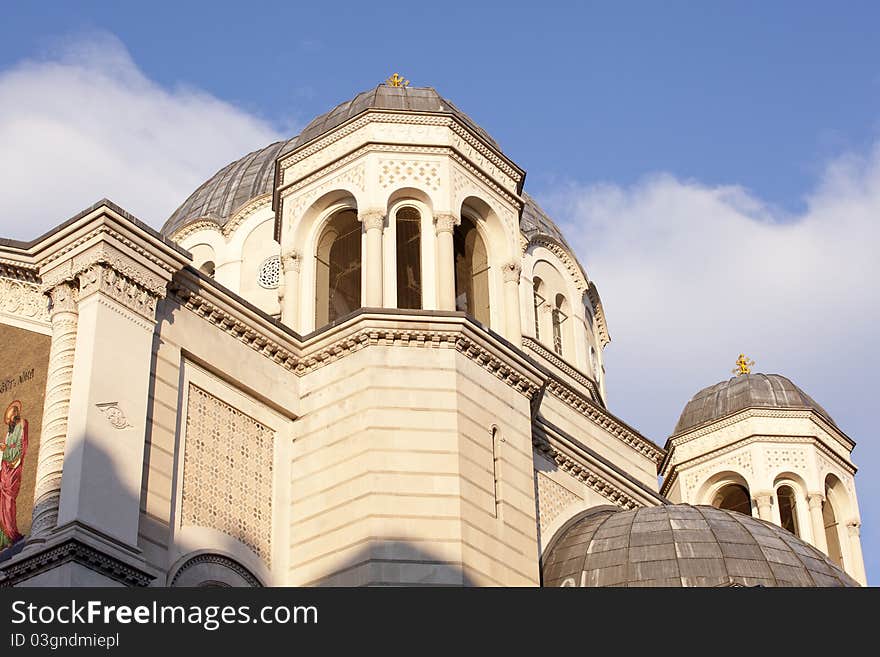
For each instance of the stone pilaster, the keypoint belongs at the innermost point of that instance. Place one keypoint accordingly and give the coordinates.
(288, 291)
(817, 523)
(511, 273)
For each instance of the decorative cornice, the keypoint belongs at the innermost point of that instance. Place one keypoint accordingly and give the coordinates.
(533, 345)
(217, 559)
(762, 412)
(78, 552)
(581, 472)
(589, 409)
(19, 271)
(190, 298)
(379, 116)
(670, 471)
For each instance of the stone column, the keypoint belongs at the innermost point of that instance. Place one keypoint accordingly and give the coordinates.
(374, 224)
(444, 225)
(817, 523)
(288, 291)
(513, 321)
(765, 506)
(56, 407)
(857, 569)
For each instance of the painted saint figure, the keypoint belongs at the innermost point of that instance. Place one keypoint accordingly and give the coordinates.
(13, 448)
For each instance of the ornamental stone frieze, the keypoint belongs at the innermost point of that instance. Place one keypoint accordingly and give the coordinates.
(23, 299)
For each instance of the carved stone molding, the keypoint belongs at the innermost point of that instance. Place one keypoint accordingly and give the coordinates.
(372, 219)
(445, 223)
(77, 552)
(242, 213)
(107, 280)
(205, 223)
(589, 409)
(23, 299)
(511, 271)
(540, 350)
(218, 560)
(583, 473)
(563, 255)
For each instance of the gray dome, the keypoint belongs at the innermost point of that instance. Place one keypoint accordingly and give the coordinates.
(683, 545)
(741, 392)
(229, 189)
(384, 97)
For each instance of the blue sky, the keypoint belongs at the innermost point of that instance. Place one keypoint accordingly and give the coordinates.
(716, 166)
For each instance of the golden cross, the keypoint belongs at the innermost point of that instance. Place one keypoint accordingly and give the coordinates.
(397, 81)
(743, 365)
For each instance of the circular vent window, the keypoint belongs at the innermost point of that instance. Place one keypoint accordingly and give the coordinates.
(269, 275)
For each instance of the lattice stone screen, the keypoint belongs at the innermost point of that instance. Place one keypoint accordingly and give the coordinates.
(227, 472)
(552, 499)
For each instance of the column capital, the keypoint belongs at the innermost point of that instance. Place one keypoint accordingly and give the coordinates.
(815, 500)
(764, 498)
(372, 219)
(445, 223)
(62, 298)
(511, 271)
(291, 261)
(854, 527)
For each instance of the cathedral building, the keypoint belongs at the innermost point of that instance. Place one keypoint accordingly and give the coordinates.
(366, 356)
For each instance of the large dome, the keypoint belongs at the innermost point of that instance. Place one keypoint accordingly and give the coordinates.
(741, 392)
(252, 176)
(682, 545)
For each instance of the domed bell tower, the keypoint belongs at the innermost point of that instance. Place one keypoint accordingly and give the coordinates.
(758, 444)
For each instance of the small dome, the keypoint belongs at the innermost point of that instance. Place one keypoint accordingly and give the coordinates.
(384, 97)
(682, 545)
(741, 392)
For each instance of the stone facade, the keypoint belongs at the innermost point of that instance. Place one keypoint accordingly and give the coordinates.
(202, 425)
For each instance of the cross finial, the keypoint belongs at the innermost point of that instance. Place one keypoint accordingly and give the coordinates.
(397, 80)
(744, 365)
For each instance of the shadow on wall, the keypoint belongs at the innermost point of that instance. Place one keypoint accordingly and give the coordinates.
(395, 563)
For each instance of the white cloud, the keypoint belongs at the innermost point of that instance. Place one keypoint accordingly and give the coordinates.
(690, 275)
(89, 124)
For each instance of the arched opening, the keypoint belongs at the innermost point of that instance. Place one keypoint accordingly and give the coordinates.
(787, 500)
(733, 497)
(409, 258)
(204, 258)
(831, 515)
(471, 272)
(338, 268)
(537, 302)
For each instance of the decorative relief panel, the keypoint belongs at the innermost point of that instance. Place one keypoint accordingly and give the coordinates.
(786, 458)
(23, 300)
(353, 176)
(552, 499)
(227, 472)
(400, 173)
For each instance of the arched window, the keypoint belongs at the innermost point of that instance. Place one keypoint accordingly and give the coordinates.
(788, 509)
(559, 316)
(207, 267)
(733, 497)
(409, 258)
(538, 301)
(471, 272)
(338, 268)
(830, 515)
